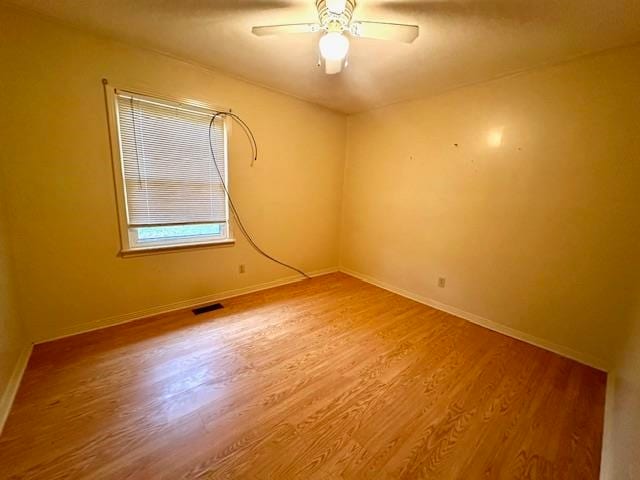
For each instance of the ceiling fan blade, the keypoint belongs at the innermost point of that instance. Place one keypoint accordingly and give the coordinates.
(283, 29)
(385, 31)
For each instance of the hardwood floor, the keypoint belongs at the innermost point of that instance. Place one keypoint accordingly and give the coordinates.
(330, 378)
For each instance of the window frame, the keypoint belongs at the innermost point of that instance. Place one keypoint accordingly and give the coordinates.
(127, 248)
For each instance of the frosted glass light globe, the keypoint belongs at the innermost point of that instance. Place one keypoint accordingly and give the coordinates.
(334, 46)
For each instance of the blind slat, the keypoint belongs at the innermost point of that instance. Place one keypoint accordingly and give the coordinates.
(168, 169)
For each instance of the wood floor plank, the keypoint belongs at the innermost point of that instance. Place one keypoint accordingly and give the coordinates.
(330, 378)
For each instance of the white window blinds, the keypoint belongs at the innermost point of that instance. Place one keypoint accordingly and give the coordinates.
(168, 170)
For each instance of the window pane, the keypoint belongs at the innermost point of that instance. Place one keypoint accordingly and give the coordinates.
(169, 172)
(149, 234)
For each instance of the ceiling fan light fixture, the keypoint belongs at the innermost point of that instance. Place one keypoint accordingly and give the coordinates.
(331, 67)
(334, 46)
(335, 20)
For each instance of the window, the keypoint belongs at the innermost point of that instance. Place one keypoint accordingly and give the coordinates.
(170, 190)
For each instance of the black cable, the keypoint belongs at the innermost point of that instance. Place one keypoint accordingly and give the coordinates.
(234, 210)
(248, 133)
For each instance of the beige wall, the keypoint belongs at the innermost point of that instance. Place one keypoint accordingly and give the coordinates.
(60, 194)
(625, 461)
(621, 459)
(13, 340)
(534, 234)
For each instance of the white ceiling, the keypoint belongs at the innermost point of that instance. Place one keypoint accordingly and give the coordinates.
(461, 41)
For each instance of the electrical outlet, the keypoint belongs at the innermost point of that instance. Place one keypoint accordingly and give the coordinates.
(241, 268)
(441, 282)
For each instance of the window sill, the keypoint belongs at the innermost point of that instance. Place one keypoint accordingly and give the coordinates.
(155, 250)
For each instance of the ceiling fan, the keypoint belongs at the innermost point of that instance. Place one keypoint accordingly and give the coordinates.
(335, 22)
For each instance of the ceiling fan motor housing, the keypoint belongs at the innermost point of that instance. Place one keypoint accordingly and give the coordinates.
(335, 22)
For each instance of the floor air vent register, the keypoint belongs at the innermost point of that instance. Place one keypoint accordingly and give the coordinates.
(207, 308)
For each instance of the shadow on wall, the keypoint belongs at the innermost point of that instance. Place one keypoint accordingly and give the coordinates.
(629, 329)
(622, 455)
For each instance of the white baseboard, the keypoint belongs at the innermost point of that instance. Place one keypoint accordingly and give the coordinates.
(9, 394)
(484, 322)
(172, 307)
